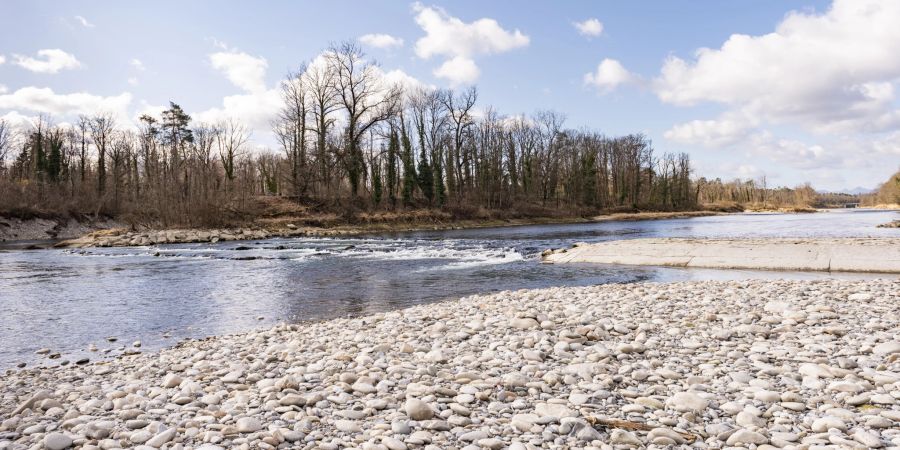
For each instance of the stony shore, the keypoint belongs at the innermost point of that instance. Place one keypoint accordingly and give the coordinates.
(121, 237)
(738, 364)
(874, 255)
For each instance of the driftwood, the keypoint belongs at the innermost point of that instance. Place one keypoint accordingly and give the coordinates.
(631, 426)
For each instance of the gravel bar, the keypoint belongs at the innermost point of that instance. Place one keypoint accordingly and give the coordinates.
(877, 255)
(725, 364)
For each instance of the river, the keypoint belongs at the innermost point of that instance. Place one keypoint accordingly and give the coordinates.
(67, 300)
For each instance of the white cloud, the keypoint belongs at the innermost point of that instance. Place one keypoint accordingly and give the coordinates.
(257, 107)
(609, 75)
(84, 22)
(138, 64)
(828, 72)
(590, 27)
(244, 71)
(48, 61)
(2, 59)
(3, 89)
(459, 70)
(407, 82)
(17, 120)
(44, 100)
(794, 153)
(721, 132)
(133, 81)
(459, 42)
(380, 40)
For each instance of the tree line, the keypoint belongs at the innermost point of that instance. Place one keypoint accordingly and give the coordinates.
(888, 193)
(756, 193)
(346, 140)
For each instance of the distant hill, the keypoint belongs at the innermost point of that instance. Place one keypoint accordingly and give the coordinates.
(859, 190)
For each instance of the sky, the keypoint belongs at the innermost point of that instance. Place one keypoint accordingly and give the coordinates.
(796, 91)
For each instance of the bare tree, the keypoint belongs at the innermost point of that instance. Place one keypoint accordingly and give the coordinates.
(366, 99)
(5, 142)
(319, 80)
(460, 108)
(290, 129)
(230, 140)
(102, 127)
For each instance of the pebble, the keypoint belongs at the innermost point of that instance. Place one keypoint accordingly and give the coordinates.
(248, 425)
(741, 364)
(418, 410)
(57, 441)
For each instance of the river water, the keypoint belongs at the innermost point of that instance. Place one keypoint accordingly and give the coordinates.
(67, 300)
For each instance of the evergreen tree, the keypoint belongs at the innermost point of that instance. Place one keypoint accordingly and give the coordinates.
(393, 152)
(176, 133)
(440, 193)
(426, 177)
(376, 184)
(40, 156)
(54, 163)
(409, 170)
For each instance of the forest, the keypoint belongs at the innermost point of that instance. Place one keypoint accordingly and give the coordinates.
(348, 141)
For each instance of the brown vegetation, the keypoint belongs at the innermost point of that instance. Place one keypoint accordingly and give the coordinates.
(887, 195)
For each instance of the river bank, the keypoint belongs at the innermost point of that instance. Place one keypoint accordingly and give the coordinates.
(49, 228)
(880, 255)
(120, 237)
(713, 364)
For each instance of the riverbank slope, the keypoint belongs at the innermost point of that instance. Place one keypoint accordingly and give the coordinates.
(736, 364)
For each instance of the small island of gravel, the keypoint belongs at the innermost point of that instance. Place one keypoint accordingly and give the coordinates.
(879, 255)
(775, 364)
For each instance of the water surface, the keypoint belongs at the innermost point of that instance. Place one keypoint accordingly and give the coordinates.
(67, 300)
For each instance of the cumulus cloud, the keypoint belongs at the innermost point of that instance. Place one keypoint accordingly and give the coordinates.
(50, 60)
(794, 153)
(44, 100)
(828, 72)
(590, 27)
(459, 70)
(84, 22)
(720, 132)
(2, 59)
(459, 42)
(609, 75)
(243, 70)
(406, 81)
(256, 109)
(380, 40)
(259, 104)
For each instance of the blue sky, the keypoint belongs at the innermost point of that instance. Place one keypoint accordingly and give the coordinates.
(807, 94)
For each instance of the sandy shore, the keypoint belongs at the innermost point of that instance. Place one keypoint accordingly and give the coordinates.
(880, 255)
(781, 364)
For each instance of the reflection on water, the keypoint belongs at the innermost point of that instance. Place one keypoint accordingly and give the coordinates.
(67, 300)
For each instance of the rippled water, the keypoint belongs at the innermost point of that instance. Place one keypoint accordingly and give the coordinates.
(67, 300)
